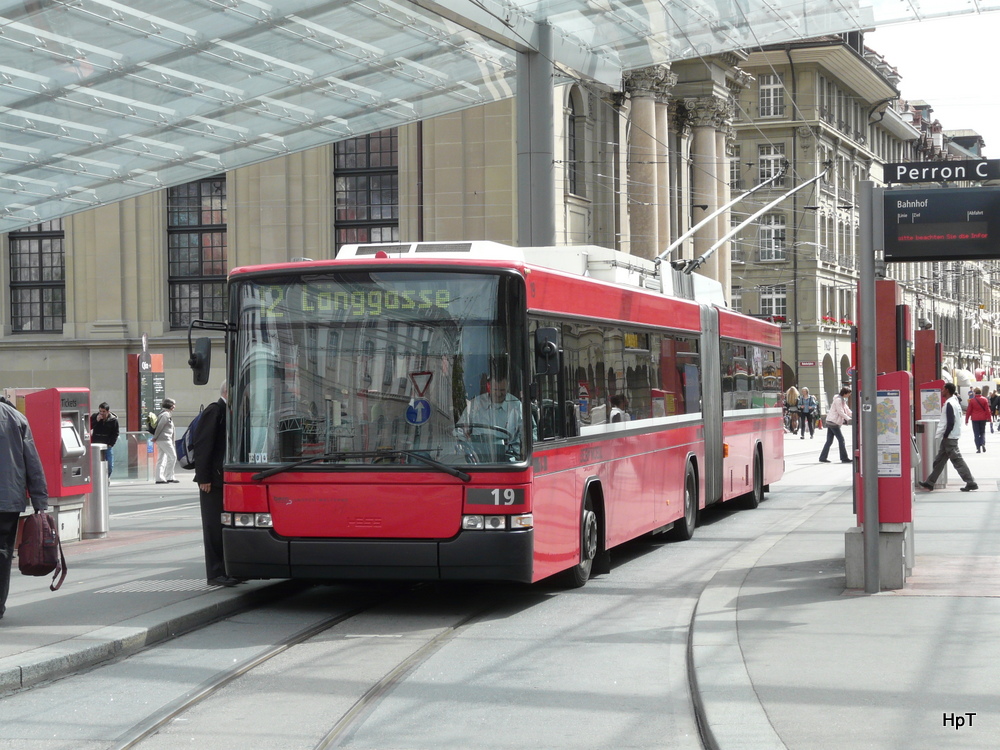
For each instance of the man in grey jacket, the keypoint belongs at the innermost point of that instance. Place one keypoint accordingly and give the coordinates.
(21, 474)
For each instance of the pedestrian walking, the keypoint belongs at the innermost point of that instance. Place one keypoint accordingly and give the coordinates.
(163, 437)
(836, 418)
(210, 453)
(978, 412)
(808, 409)
(104, 429)
(21, 476)
(792, 404)
(948, 431)
(995, 405)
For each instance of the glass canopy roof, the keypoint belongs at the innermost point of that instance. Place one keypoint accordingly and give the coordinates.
(103, 100)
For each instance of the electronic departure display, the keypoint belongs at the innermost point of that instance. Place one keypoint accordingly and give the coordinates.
(942, 224)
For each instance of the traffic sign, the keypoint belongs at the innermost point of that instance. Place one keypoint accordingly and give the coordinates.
(419, 411)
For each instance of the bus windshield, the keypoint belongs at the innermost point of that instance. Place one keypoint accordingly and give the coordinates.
(378, 368)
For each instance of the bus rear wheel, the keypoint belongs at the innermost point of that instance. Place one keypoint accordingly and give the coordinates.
(756, 495)
(684, 526)
(579, 574)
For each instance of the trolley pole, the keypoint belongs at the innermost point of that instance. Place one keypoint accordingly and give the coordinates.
(868, 370)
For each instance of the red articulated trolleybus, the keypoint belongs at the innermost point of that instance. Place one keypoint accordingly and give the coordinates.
(471, 410)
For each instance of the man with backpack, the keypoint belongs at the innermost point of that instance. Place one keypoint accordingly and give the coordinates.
(21, 475)
(210, 452)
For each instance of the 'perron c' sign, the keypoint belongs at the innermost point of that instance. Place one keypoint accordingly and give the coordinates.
(942, 171)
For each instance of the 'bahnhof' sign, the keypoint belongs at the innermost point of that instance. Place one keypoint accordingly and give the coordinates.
(942, 224)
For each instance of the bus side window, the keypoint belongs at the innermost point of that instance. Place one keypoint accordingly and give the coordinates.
(544, 394)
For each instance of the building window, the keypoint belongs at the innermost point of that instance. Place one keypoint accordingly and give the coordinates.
(773, 302)
(196, 251)
(366, 186)
(770, 158)
(772, 237)
(736, 298)
(738, 244)
(735, 173)
(574, 147)
(772, 96)
(37, 278)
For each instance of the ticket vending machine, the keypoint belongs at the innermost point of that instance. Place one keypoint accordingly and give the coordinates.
(59, 419)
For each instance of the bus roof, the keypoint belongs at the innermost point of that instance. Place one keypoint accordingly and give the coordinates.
(596, 262)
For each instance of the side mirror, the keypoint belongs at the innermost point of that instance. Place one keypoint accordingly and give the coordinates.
(200, 360)
(546, 351)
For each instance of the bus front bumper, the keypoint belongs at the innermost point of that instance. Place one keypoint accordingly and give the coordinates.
(472, 555)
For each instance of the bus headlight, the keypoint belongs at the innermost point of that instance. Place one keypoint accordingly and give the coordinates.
(523, 521)
(495, 523)
(227, 519)
(498, 523)
(250, 520)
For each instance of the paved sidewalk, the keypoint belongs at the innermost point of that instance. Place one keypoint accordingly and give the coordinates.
(783, 656)
(142, 584)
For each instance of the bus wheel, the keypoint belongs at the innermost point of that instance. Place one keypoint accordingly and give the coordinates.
(684, 526)
(579, 574)
(756, 495)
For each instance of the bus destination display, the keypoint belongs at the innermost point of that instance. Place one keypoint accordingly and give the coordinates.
(942, 224)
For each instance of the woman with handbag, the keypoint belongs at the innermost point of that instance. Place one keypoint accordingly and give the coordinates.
(21, 476)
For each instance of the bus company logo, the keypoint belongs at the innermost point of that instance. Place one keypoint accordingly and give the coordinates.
(365, 522)
(592, 454)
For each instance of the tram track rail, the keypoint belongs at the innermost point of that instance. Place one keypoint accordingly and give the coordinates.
(135, 736)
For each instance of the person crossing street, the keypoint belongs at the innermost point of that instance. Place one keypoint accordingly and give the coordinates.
(948, 431)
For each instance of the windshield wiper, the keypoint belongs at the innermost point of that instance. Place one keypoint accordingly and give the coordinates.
(430, 462)
(340, 455)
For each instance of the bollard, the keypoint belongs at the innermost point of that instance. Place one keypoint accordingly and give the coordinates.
(94, 520)
(927, 433)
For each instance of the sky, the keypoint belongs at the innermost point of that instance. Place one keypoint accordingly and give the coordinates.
(951, 64)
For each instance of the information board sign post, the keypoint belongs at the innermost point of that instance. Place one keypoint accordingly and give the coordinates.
(867, 338)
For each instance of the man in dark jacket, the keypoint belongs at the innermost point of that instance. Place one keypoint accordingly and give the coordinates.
(21, 474)
(210, 452)
(104, 429)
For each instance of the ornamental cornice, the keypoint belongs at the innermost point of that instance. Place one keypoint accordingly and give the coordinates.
(709, 111)
(654, 80)
(738, 80)
(679, 117)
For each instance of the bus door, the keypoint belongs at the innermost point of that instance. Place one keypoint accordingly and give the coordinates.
(711, 403)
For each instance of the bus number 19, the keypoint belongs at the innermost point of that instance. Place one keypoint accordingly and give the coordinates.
(497, 496)
(507, 495)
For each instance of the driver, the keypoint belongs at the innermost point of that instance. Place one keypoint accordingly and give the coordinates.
(496, 408)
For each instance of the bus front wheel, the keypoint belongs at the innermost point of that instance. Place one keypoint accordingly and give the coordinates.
(579, 574)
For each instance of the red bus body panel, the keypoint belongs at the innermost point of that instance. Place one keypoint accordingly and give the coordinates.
(640, 473)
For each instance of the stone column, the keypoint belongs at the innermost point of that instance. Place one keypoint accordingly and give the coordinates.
(643, 149)
(663, 115)
(707, 114)
(723, 139)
